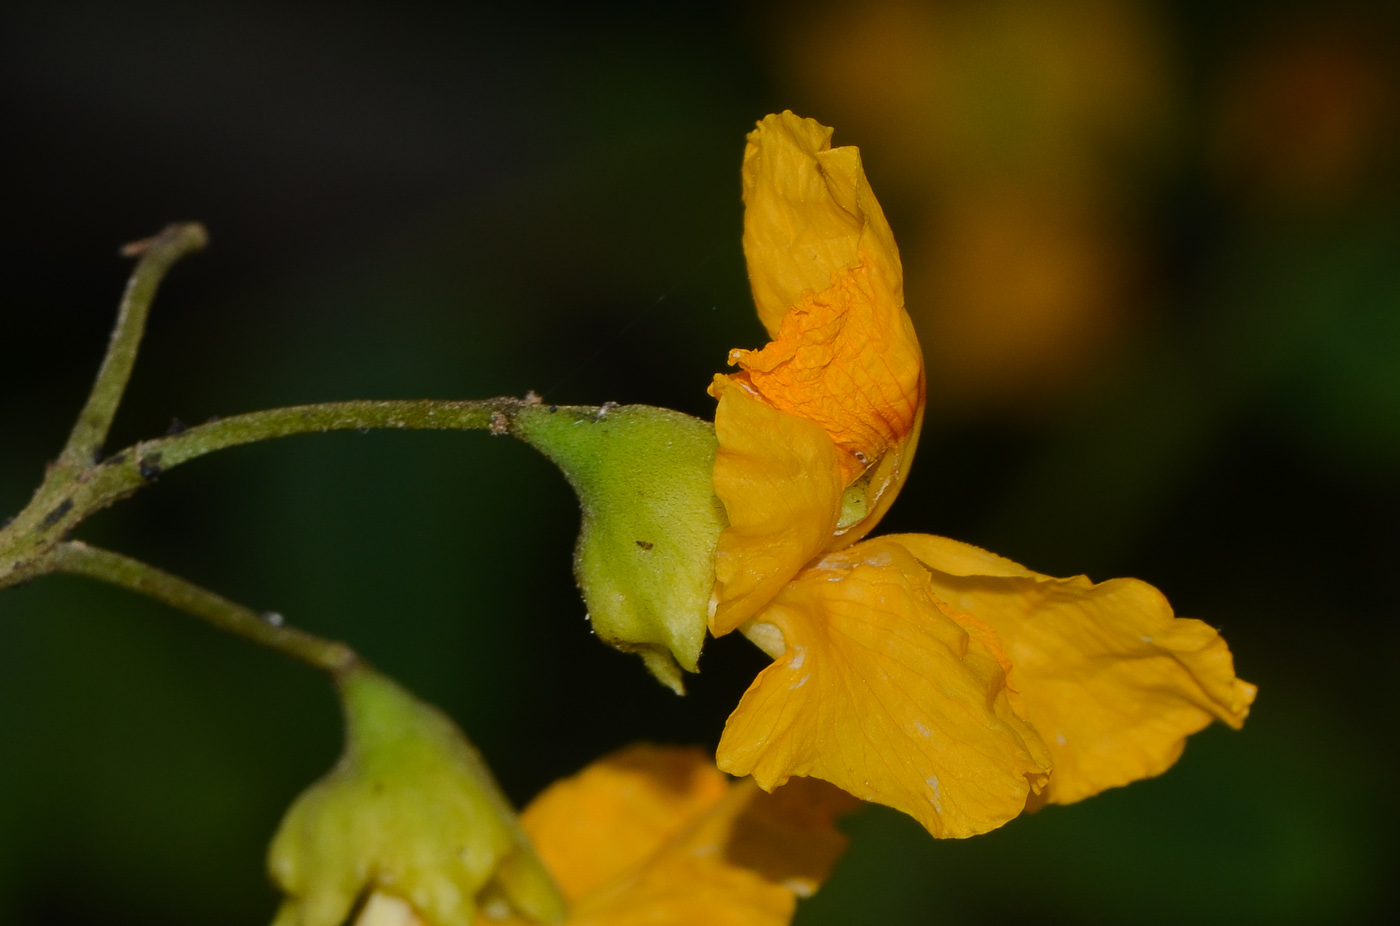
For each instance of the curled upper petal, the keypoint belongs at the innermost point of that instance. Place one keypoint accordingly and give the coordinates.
(828, 285)
(1111, 678)
(885, 692)
(844, 360)
(808, 213)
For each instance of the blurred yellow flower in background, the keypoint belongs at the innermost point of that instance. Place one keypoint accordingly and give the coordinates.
(656, 834)
(912, 671)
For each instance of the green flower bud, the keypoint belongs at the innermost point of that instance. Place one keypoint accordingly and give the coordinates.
(646, 549)
(410, 810)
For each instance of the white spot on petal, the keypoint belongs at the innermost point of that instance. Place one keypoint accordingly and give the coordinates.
(799, 656)
(937, 789)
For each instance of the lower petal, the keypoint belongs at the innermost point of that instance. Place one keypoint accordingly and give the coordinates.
(888, 695)
(1111, 678)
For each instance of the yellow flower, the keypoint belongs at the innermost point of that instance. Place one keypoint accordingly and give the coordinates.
(659, 835)
(912, 671)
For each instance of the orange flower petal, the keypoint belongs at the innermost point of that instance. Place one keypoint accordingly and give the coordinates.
(780, 483)
(847, 359)
(888, 694)
(1110, 677)
(809, 212)
(658, 835)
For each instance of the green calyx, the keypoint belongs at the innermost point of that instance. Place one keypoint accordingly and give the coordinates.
(410, 811)
(646, 549)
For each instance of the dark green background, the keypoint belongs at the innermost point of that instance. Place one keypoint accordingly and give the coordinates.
(445, 201)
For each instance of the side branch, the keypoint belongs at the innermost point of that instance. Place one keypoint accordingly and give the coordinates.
(158, 255)
(78, 558)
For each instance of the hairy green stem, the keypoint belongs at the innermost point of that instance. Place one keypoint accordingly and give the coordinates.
(485, 414)
(68, 496)
(157, 256)
(77, 558)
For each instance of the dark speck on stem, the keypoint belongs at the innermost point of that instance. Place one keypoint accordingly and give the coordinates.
(150, 467)
(53, 517)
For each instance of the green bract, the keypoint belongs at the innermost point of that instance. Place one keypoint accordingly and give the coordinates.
(409, 810)
(646, 549)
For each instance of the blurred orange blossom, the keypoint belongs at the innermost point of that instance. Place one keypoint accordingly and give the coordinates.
(1018, 136)
(658, 835)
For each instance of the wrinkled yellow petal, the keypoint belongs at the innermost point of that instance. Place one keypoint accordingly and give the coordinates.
(680, 843)
(847, 359)
(888, 694)
(808, 213)
(1112, 680)
(780, 481)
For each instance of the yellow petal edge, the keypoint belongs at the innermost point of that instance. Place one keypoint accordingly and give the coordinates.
(1113, 681)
